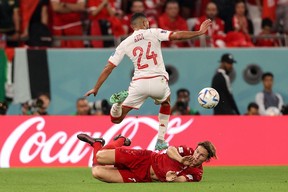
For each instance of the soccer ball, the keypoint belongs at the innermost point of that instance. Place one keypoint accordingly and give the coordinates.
(208, 98)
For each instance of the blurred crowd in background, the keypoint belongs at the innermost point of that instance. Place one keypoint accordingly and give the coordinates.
(103, 23)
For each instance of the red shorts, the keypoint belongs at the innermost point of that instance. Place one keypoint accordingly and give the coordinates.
(133, 165)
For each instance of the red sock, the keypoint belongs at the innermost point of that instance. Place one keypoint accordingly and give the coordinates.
(165, 109)
(113, 118)
(96, 147)
(113, 144)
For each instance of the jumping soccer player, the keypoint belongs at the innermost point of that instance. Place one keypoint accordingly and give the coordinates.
(150, 78)
(179, 164)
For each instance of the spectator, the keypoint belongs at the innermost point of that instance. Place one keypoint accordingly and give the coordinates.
(172, 21)
(281, 22)
(262, 41)
(240, 21)
(137, 6)
(37, 106)
(242, 28)
(268, 101)
(103, 21)
(66, 16)
(82, 107)
(221, 82)
(216, 31)
(254, 9)
(10, 21)
(35, 21)
(252, 109)
(181, 106)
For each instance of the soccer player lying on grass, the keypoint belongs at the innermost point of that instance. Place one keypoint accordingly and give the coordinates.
(178, 164)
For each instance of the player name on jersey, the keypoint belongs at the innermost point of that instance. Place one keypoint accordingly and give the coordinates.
(138, 37)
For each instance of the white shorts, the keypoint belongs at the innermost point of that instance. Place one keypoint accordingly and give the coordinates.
(139, 90)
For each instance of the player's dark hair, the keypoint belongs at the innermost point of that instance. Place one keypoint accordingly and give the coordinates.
(210, 149)
(136, 16)
(267, 74)
(183, 90)
(266, 22)
(252, 105)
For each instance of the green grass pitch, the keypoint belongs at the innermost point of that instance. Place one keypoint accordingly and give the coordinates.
(218, 179)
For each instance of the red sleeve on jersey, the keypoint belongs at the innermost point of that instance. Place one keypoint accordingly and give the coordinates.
(193, 174)
(183, 150)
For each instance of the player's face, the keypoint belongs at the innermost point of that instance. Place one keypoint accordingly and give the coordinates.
(200, 155)
(146, 23)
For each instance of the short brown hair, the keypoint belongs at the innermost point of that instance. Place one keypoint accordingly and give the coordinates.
(210, 149)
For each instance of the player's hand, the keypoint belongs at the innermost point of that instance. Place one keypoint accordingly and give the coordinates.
(205, 25)
(92, 91)
(171, 175)
(187, 160)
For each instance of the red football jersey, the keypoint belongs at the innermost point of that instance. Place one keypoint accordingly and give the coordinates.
(103, 14)
(62, 19)
(162, 163)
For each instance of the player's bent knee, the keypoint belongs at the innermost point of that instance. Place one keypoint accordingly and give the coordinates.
(100, 156)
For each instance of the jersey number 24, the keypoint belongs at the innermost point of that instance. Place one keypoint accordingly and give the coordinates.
(149, 55)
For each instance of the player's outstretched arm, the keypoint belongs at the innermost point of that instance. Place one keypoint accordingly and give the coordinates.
(172, 152)
(172, 176)
(184, 35)
(103, 76)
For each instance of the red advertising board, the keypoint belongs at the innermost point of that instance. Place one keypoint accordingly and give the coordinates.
(51, 141)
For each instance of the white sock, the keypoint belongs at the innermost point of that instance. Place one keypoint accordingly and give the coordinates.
(163, 124)
(116, 110)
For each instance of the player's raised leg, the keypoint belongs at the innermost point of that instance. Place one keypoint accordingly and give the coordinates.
(117, 112)
(96, 143)
(163, 117)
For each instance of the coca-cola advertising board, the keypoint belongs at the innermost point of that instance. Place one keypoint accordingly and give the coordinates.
(37, 141)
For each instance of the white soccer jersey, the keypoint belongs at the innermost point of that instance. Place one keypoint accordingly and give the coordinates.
(143, 47)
